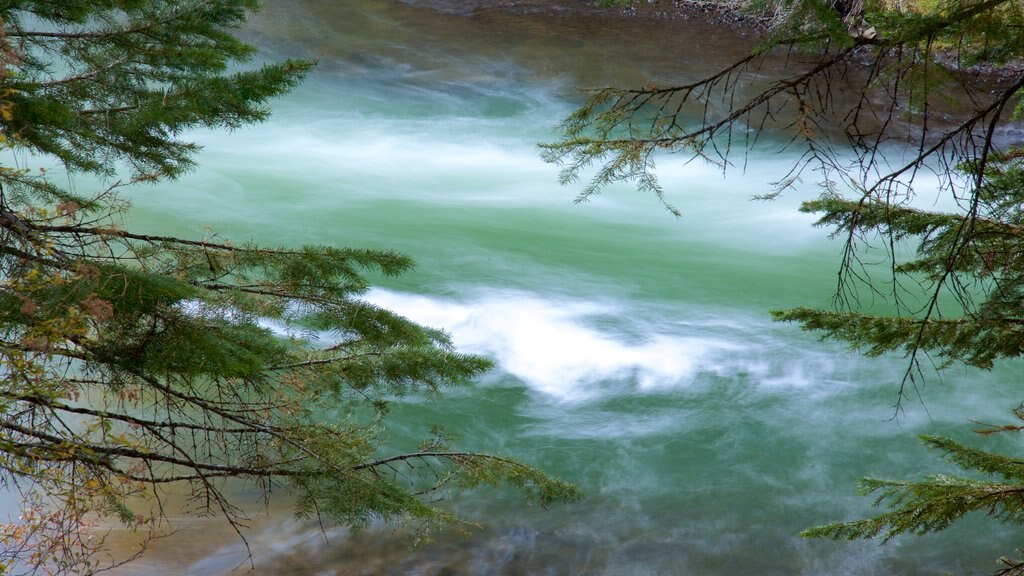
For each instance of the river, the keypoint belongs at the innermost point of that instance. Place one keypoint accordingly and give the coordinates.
(635, 355)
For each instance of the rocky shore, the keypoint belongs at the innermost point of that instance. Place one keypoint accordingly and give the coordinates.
(727, 12)
(723, 12)
(714, 12)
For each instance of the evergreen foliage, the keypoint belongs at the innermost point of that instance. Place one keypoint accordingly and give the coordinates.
(130, 361)
(930, 89)
(935, 503)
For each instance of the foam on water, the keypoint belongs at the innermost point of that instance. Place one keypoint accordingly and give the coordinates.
(576, 350)
(552, 345)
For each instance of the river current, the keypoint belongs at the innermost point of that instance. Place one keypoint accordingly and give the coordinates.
(635, 355)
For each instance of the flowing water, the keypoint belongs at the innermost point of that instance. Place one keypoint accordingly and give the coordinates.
(635, 355)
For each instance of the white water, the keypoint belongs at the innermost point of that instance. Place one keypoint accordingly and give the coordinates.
(634, 352)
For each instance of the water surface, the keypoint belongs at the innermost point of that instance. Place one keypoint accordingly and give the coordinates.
(635, 356)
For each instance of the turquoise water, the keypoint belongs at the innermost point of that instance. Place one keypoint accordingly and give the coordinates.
(635, 355)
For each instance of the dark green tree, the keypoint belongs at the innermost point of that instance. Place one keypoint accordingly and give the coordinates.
(876, 101)
(130, 362)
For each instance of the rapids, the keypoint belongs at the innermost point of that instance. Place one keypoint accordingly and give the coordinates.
(635, 353)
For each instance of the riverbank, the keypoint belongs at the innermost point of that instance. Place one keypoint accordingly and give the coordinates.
(718, 13)
(729, 13)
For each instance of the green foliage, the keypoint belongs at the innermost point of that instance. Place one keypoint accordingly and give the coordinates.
(971, 258)
(936, 502)
(905, 69)
(129, 361)
(119, 81)
(972, 268)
